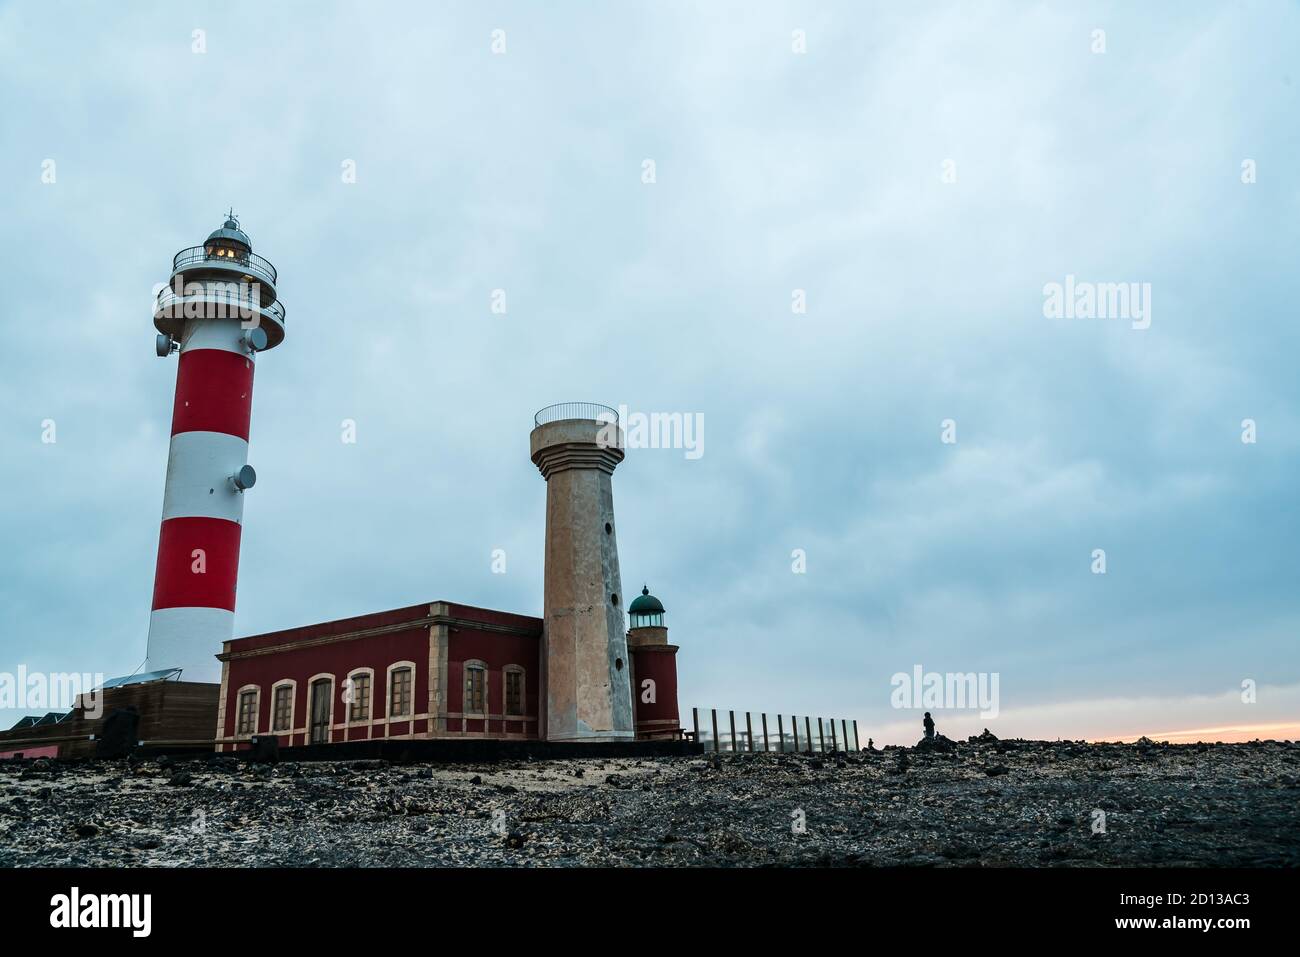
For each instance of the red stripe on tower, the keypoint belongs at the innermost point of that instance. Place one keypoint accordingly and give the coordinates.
(198, 563)
(214, 392)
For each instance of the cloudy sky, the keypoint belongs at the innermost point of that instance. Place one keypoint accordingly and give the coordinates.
(920, 172)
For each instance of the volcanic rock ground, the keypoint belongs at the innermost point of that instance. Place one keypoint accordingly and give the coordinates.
(996, 803)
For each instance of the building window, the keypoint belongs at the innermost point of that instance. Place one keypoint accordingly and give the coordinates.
(399, 695)
(514, 677)
(359, 705)
(476, 688)
(247, 713)
(282, 708)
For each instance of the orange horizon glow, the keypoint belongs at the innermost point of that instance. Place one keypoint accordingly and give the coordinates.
(1229, 734)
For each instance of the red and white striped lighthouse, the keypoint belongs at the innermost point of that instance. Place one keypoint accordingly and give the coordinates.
(219, 310)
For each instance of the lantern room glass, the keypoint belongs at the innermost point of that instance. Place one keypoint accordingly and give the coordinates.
(219, 250)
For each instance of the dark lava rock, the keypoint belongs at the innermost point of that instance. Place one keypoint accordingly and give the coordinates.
(266, 749)
(476, 780)
(403, 805)
(182, 779)
(1233, 805)
(614, 781)
(577, 772)
(937, 743)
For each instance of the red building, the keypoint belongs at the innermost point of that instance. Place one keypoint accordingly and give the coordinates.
(437, 670)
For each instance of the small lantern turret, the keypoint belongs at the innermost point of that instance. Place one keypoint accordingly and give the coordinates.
(654, 669)
(646, 611)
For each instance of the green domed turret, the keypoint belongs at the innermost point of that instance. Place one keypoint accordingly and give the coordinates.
(646, 610)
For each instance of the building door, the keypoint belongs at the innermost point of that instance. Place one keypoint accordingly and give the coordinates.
(321, 690)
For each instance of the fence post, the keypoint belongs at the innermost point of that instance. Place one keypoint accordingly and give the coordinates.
(794, 726)
(715, 729)
(857, 742)
(749, 732)
(695, 720)
(807, 728)
(844, 726)
(821, 737)
(835, 745)
(732, 718)
(780, 733)
(764, 717)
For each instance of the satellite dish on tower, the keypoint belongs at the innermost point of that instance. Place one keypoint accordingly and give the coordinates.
(254, 339)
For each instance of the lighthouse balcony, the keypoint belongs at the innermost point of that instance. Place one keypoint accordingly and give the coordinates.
(224, 262)
(581, 411)
(576, 435)
(218, 301)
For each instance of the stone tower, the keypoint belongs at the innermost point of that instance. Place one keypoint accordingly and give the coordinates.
(585, 665)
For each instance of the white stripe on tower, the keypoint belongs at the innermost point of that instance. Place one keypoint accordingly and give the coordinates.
(194, 458)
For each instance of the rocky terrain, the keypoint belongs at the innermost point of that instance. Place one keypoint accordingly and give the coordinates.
(983, 802)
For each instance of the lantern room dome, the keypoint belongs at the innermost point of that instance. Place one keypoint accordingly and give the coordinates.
(230, 233)
(646, 604)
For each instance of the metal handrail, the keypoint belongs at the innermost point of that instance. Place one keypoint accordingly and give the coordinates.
(575, 410)
(167, 297)
(824, 732)
(256, 264)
